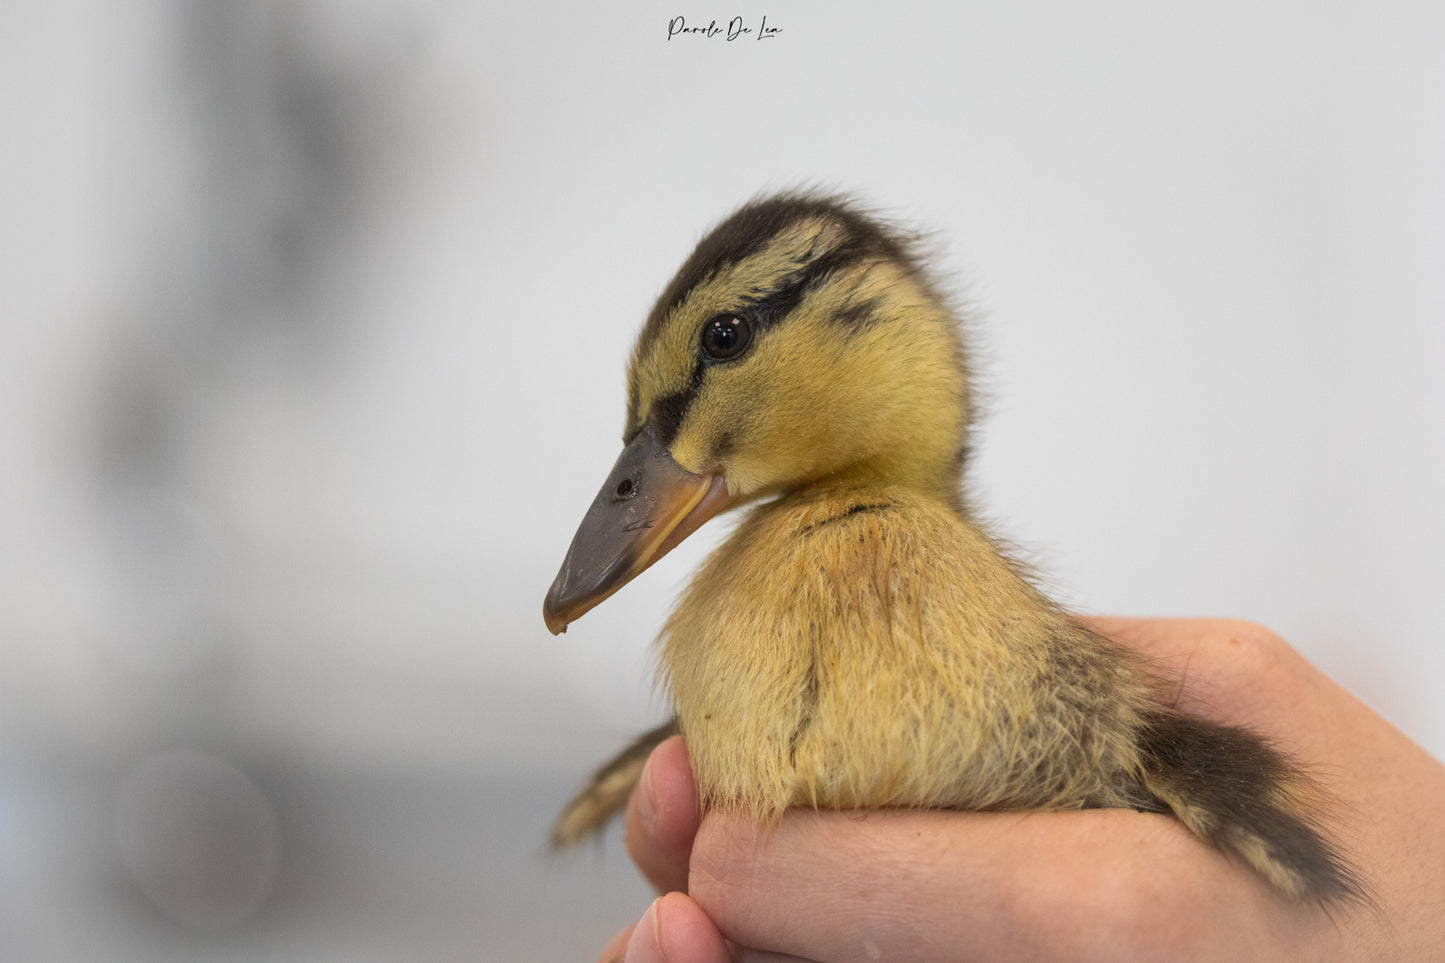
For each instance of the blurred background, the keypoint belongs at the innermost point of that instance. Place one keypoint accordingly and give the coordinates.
(315, 319)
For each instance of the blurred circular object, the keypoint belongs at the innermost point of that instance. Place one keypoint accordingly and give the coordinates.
(199, 838)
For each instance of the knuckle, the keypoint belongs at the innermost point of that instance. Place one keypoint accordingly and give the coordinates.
(1249, 648)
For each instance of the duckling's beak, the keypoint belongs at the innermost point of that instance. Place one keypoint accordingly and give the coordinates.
(646, 507)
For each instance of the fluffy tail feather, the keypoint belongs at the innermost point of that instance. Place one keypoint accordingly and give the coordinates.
(607, 792)
(1234, 790)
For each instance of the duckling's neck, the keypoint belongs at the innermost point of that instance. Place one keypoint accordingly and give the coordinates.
(934, 479)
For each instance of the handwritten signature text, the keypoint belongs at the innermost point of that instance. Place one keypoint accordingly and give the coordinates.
(735, 29)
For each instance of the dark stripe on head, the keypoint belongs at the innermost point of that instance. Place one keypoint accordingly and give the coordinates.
(724, 446)
(669, 410)
(859, 315)
(742, 235)
(776, 304)
(747, 231)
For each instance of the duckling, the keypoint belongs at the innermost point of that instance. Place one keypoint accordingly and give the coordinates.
(861, 641)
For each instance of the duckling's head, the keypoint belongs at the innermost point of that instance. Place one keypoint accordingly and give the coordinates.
(799, 344)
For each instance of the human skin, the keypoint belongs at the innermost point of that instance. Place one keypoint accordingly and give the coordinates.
(1077, 886)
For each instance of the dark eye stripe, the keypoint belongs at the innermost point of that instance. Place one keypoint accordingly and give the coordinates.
(779, 303)
(669, 410)
(749, 230)
(738, 238)
(747, 233)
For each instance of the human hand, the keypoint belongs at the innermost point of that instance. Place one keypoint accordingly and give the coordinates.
(1097, 884)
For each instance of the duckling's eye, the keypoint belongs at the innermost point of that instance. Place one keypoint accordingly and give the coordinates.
(726, 336)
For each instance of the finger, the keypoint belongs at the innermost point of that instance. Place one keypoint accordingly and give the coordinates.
(744, 954)
(663, 816)
(980, 886)
(675, 930)
(616, 949)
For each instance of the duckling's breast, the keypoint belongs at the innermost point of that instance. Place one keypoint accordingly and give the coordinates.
(866, 648)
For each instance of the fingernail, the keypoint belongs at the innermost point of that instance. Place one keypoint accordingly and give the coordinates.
(646, 944)
(646, 796)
